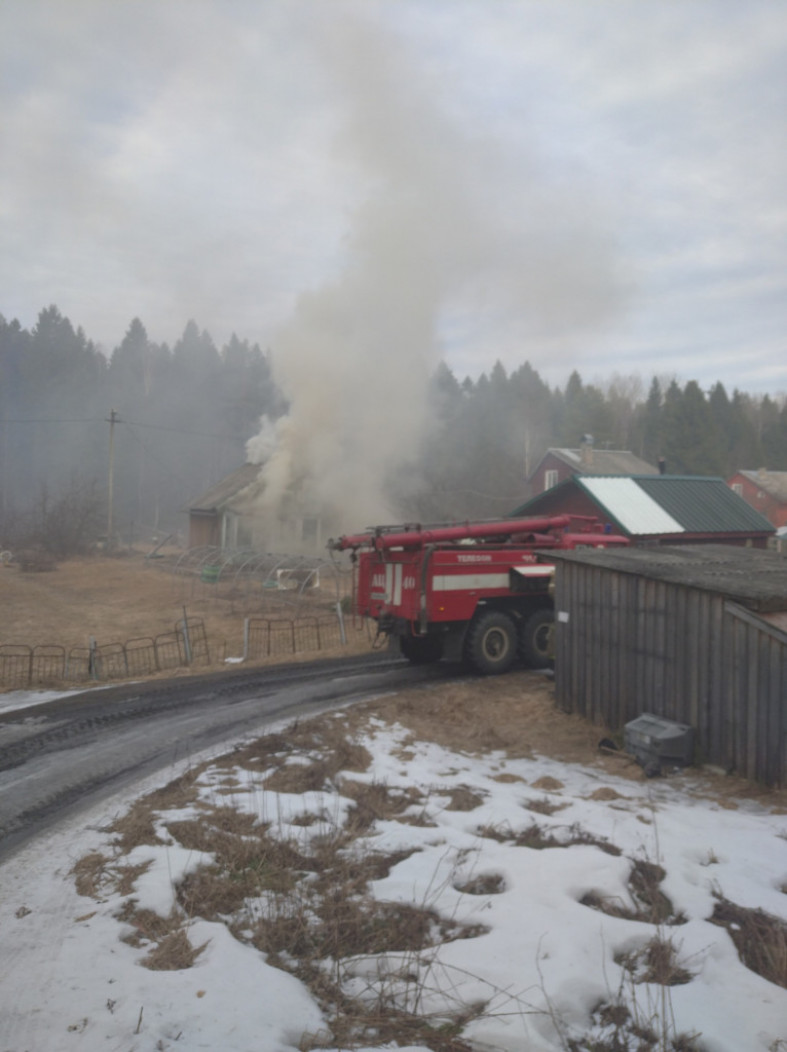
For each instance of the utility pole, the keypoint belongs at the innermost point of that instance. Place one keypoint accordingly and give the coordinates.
(112, 419)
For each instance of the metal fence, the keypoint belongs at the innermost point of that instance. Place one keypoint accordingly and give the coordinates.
(24, 666)
(271, 637)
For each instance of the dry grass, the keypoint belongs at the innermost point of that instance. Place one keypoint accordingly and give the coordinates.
(544, 806)
(462, 798)
(89, 874)
(483, 884)
(172, 953)
(655, 962)
(167, 938)
(374, 802)
(650, 904)
(538, 837)
(302, 895)
(327, 745)
(616, 1028)
(304, 900)
(96, 875)
(514, 715)
(126, 596)
(138, 825)
(759, 937)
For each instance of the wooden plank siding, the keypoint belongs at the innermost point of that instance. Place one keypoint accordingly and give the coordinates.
(628, 644)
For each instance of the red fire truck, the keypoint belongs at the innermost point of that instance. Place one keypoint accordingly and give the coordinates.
(480, 592)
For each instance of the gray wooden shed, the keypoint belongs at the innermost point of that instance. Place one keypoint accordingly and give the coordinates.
(693, 634)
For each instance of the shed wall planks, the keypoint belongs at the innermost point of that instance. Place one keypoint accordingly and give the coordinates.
(632, 644)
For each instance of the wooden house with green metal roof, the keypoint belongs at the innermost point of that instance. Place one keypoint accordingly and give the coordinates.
(657, 509)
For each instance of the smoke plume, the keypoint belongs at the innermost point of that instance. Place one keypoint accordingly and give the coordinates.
(435, 232)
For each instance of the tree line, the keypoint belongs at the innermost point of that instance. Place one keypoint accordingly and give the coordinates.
(183, 414)
(490, 434)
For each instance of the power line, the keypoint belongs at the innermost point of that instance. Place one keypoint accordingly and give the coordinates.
(49, 420)
(136, 423)
(186, 431)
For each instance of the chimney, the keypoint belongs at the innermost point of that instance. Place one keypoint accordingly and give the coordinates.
(662, 465)
(586, 451)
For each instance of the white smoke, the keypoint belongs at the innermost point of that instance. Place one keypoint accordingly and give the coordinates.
(355, 358)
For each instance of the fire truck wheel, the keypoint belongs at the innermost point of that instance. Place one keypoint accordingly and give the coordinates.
(536, 639)
(491, 643)
(421, 651)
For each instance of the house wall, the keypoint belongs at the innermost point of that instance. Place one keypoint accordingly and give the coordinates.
(627, 645)
(570, 501)
(233, 530)
(204, 530)
(773, 510)
(551, 463)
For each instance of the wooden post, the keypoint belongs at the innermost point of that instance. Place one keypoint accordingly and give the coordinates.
(186, 640)
(91, 661)
(112, 420)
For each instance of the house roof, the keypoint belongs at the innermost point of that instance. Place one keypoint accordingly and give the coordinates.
(756, 578)
(774, 483)
(658, 505)
(213, 499)
(603, 461)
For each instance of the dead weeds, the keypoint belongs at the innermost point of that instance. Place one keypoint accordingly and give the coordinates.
(539, 837)
(96, 875)
(483, 884)
(759, 937)
(462, 798)
(174, 953)
(138, 825)
(648, 901)
(375, 802)
(300, 892)
(545, 806)
(616, 1028)
(655, 962)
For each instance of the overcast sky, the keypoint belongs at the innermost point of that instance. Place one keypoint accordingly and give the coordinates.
(590, 184)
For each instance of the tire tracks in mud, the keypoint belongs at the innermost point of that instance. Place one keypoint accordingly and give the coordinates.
(69, 752)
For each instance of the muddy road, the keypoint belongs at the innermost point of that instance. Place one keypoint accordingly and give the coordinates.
(64, 755)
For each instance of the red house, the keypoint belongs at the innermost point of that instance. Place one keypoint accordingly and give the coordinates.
(557, 465)
(764, 490)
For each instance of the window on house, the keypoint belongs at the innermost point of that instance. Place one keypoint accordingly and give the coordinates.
(737, 487)
(550, 478)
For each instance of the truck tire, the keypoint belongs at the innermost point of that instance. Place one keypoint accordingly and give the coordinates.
(421, 650)
(536, 645)
(491, 643)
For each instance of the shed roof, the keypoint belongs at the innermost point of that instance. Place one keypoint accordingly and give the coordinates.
(659, 505)
(214, 498)
(753, 577)
(604, 461)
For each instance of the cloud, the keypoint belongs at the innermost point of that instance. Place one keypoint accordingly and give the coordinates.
(440, 228)
(198, 159)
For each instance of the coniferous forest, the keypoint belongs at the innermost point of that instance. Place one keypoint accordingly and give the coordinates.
(183, 414)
